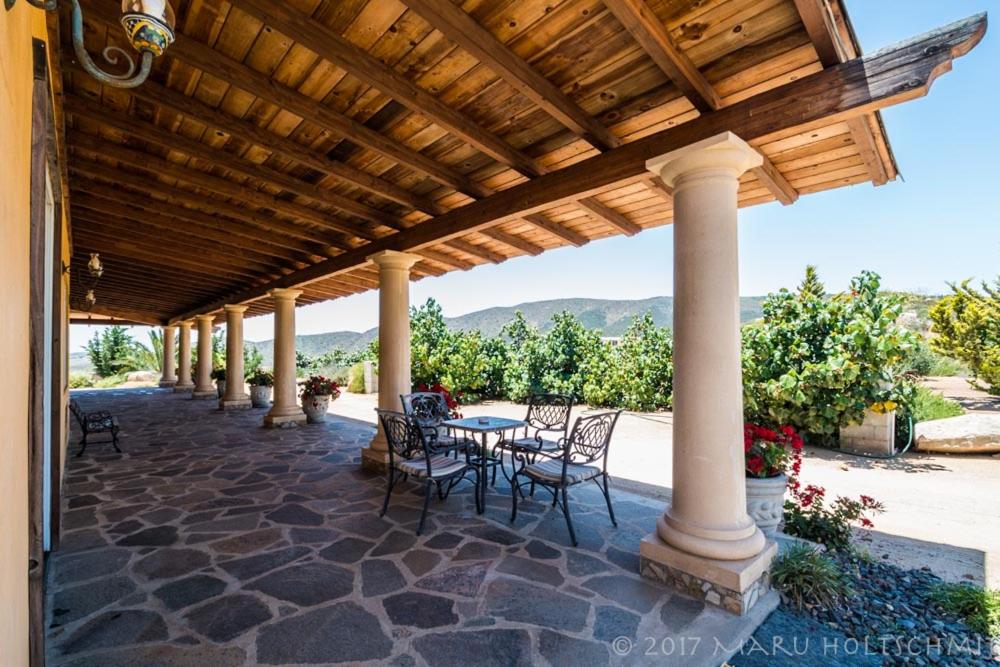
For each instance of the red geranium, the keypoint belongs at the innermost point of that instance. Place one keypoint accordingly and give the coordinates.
(770, 453)
(451, 401)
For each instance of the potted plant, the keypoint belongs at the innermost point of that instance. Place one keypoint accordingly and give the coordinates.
(219, 375)
(260, 382)
(769, 455)
(317, 392)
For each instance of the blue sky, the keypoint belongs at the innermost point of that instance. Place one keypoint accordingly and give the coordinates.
(940, 223)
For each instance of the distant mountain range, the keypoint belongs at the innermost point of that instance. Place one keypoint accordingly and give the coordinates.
(610, 316)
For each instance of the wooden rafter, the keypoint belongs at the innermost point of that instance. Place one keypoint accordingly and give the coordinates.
(890, 76)
(822, 29)
(652, 36)
(609, 216)
(772, 179)
(462, 29)
(333, 47)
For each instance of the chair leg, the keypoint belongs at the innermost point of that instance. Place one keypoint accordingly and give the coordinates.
(607, 499)
(513, 495)
(388, 491)
(114, 441)
(427, 502)
(83, 446)
(479, 502)
(569, 522)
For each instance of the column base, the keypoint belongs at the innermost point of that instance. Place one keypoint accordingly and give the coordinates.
(205, 394)
(183, 388)
(375, 460)
(734, 585)
(235, 403)
(168, 384)
(285, 421)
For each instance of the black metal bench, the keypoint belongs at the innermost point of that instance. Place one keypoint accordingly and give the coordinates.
(94, 422)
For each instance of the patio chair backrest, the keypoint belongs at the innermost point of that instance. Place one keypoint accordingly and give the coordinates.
(549, 412)
(77, 411)
(591, 437)
(400, 434)
(428, 408)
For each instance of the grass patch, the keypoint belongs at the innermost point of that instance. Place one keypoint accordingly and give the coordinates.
(928, 405)
(80, 381)
(980, 608)
(110, 381)
(806, 576)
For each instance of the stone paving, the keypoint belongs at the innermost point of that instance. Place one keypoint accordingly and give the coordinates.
(213, 541)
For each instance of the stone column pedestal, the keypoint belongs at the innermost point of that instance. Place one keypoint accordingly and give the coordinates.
(203, 388)
(285, 409)
(169, 377)
(393, 345)
(234, 398)
(706, 542)
(184, 383)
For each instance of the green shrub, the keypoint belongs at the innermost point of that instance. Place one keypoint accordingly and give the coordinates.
(980, 608)
(806, 576)
(356, 381)
(967, 324)
(922, 360)
(261, 378)
(808, 516)
(817, 362)
(110, 381)
(928, 405)
(80, 381)
(637, 374)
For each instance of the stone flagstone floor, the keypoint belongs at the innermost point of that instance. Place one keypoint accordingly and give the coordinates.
(213, 541)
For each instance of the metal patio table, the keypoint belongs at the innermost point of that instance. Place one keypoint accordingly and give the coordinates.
(483, 426)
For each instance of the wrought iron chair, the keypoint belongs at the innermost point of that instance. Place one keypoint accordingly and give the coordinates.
(584, 458)
(547, 413)
(411, 454)
(94, 422)
(429, 410)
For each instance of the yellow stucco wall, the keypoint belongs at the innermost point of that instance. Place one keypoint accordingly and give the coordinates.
(16, 30)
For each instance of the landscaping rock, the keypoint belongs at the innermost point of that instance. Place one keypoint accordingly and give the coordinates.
(973, 433)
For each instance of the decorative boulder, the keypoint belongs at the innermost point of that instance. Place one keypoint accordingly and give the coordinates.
(974, 433)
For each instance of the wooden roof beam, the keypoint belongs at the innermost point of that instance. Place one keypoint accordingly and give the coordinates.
(463, 30)
(334, 48)
(513, 240)
(774, 181)
(555, 229)
(125, 317)
(609, 215)
(822, 29)
(204, 58)
(890, 76)
(647, 29)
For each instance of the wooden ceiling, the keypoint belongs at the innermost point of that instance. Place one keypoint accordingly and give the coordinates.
(276, 140)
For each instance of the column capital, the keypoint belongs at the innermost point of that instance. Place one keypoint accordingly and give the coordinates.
(202, 318)
(185, 324)
(393, 259)
(724, 151)
(235, 308)
(285, 293)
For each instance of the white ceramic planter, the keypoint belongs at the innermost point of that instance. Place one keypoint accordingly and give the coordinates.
(260, 397)
(315, 408)
(220, 387)
(766, 501)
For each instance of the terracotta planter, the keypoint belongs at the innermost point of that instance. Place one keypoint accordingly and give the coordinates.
(260, 397)
(766, 501)
(315, 408)
(220, 387)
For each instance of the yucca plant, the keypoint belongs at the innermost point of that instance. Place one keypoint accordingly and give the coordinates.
(806, 576)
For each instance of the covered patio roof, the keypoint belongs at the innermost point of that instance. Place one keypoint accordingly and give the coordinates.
(280, 144)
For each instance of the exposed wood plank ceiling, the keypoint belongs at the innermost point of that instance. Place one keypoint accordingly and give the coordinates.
(276, 137)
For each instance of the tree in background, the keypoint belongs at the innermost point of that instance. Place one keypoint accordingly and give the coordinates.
(252, 359)
(636, 374)
(811, 287)
(817, 362)
(967, 324)
(111, 351)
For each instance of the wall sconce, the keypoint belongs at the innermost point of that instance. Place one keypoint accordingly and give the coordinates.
(148, 24)
(94, 266)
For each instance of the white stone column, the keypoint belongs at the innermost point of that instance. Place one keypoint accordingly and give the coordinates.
(235, 398)
(285, 408)
(184, 383)
(393, 344)
(169, 377)
(203, 387)
(706, 532)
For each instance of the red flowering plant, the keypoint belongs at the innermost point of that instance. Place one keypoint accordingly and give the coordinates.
(769, 453)
(451, 401)
(318, 385)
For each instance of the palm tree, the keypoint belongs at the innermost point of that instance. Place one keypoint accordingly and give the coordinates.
(149, 358)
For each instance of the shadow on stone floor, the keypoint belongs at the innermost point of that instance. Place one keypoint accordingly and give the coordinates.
(213, 541)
